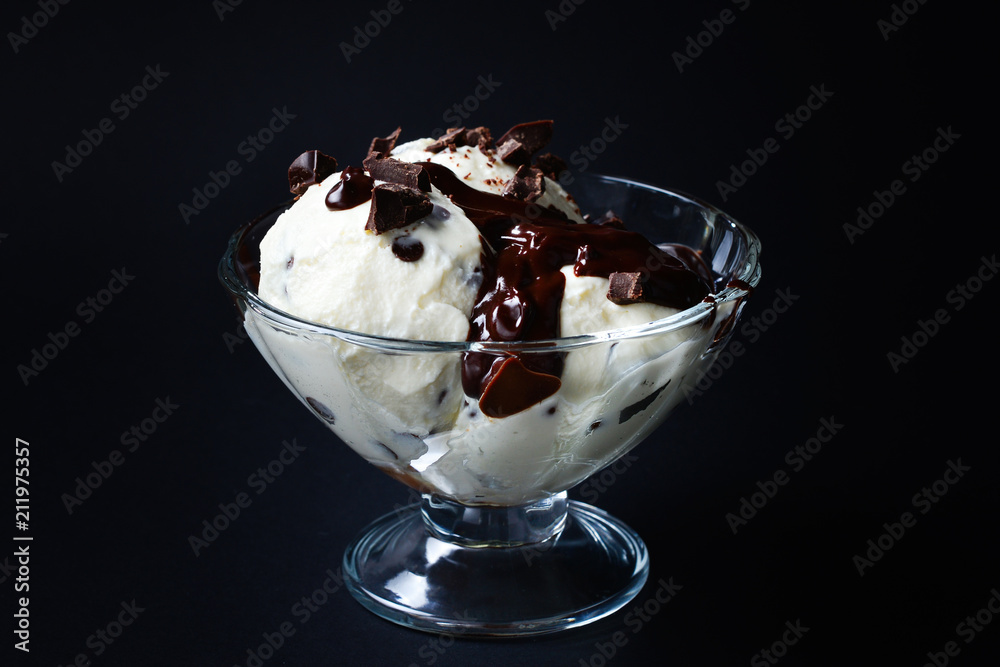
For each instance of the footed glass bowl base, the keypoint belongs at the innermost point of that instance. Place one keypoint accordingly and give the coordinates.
(441, 567)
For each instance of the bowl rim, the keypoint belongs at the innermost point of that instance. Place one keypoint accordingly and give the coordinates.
(749, 274)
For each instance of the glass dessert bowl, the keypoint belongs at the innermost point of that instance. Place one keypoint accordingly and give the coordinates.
(495, 547)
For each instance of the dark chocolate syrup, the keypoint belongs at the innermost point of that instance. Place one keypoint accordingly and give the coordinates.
(524, 248)
(353, 189)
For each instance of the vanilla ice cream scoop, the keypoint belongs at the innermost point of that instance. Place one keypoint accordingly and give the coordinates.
(461, 239)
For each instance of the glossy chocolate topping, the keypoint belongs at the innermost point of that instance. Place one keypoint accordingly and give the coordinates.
(524, 248)
(353, 189)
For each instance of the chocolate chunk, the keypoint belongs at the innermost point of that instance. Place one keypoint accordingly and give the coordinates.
(522, 141)
(408, 249)
(395, 206)
(454, 136)
(513, 151)
(309, 168)
(384, 145)
(479, 136)
(527, 184)
(551, 165)
(625, 288)
(515, 388)
(392, 170)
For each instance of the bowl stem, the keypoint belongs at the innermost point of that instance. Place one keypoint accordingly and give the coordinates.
(492, 525)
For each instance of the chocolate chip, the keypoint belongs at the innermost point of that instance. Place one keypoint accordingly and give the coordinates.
(625, 288)
(395, 206)
(522, 141)
(323, 411)
(396, 171)
(551, 165)
(384, 145)
(454, 136)
(309, 168)
(408, 249)
(527, 184)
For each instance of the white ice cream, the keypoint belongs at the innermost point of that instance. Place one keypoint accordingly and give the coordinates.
(407, 413)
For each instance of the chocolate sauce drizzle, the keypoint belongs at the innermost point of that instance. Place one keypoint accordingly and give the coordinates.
(524, 248)
(353, 189)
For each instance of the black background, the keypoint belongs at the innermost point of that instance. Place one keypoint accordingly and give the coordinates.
(172, 333)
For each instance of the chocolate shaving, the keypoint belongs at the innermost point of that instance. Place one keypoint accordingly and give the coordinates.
(527, 184)
(551, 165)
(522, 141)
(391, 170)
(308, 169)
(384, 145)
(455, 136)
(395, 206)
(625, 288)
